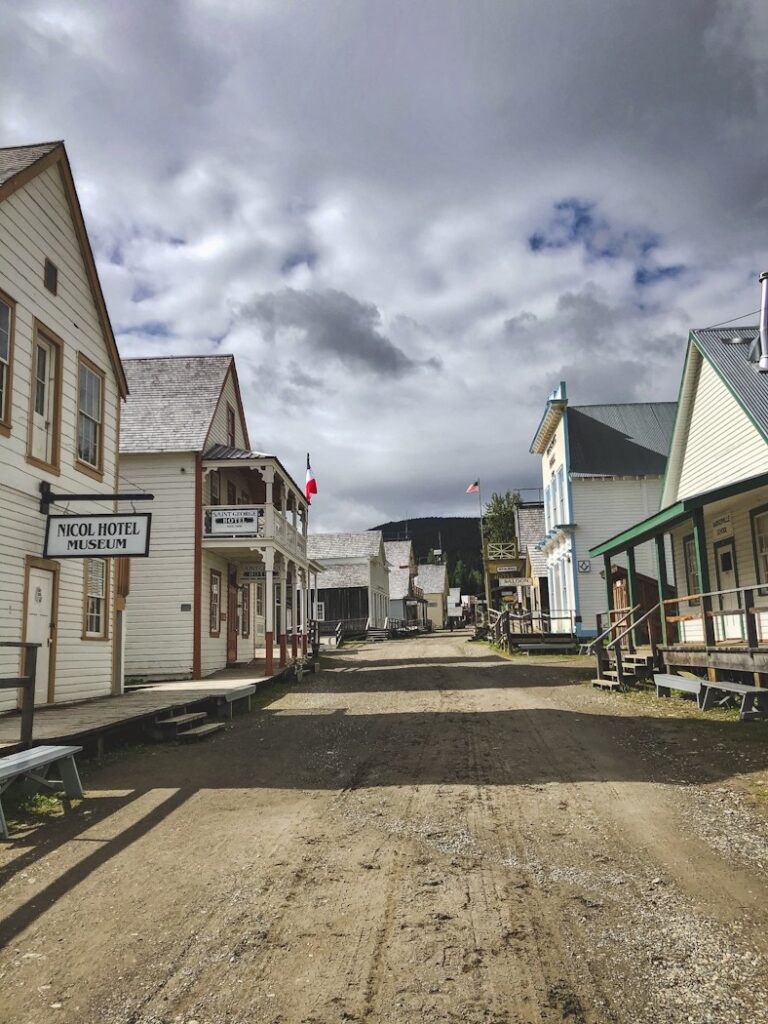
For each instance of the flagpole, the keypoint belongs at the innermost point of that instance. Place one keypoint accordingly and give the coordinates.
(486, 577)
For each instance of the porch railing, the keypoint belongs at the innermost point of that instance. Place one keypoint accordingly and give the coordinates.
(719, 625)
(25, 683)
(230, 522)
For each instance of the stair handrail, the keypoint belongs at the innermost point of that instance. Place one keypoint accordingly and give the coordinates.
(633, 625)
(611, 627)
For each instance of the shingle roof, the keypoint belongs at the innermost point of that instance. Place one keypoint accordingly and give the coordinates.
(529, 521)
(321, 546)
(399, 554)
(537, 559)
(620, 440)
(432, 578)
(353, 574)
(14, 159)
(171, 402)
(732, 362)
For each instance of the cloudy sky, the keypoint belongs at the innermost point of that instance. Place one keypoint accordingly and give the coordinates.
(409, 219)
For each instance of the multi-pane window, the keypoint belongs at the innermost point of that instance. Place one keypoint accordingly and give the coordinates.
(760, 537)
(96, 598)
(90, 405)
(245, 610)
(45, 405)
(41, 379)
(214, 603)
(691, 567)
(5, 359)
(260, 599)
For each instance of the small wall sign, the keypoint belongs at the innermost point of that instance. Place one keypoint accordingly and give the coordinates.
(722, 526)
(98, 536)
(253, 571)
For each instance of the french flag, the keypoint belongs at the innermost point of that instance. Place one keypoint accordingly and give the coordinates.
(310, 486)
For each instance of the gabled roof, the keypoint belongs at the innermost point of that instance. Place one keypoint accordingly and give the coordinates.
(739, 373)
(399, 555)
(18, 165)
(620, 440)
(433, 579)
(322, 546)
(172, 402)
(349, 574)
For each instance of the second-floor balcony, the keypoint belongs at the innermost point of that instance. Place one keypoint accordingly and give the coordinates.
(246, 523)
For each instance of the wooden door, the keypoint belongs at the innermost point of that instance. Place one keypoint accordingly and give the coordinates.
(728, 627)
(232, 617)
(40, 612)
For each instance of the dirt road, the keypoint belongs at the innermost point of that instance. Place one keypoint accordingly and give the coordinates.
(421, 833)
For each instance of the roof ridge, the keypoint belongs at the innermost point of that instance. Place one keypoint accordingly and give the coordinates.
(619, 405)
(150, 359)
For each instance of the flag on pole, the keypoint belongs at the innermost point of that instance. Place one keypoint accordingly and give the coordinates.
(310, 486)
(473, 488)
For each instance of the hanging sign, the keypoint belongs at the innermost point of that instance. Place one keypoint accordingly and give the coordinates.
(253, 571)
(239, 519)
(98, 536)
(515, 581)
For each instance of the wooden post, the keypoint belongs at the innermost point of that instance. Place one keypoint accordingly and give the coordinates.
(702, 568)
(750, 621)
(608, 588)
(283, 617)
(661, 574)
(632, 593)
(28, 696)
(269, 610)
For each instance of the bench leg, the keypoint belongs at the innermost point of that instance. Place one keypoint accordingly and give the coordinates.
(663, 691)
(70, 778)
(706, 693)
(3, 825)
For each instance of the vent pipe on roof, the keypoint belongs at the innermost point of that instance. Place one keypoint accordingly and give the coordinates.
(762, 364)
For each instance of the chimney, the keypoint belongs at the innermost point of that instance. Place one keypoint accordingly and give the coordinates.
(762, 364)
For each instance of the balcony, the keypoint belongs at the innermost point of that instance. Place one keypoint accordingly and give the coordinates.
(225, 525)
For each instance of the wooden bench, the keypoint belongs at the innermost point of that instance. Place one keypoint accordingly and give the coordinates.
(546, 648)
(32, 765)
(754, 699)
(666, 683)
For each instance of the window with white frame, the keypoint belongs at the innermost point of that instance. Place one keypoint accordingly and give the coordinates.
(90, 407)
(760, 540)
(96, 574)
(561, 494)
(6, 323)
(214, 603)
(260, 600)
(245, 610)
(691, 567)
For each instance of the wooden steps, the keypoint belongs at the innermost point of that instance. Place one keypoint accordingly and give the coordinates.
(200, 732)
(176, 724)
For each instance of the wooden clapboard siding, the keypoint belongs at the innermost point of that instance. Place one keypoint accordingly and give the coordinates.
(229, 396)
(722, 444)
(213, 648)
(601, 508)
(159, 633)
(35, 225)
(739, 509)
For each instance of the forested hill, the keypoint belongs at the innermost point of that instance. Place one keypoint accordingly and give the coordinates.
(457, 536)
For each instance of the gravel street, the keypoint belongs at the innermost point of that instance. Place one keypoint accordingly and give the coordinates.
(422, 832)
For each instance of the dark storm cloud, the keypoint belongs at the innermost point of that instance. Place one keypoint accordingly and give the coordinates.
(336, 324)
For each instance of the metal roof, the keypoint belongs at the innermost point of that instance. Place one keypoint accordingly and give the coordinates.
(171, 402)
(629, 439)
(222, 452)
(740, 375)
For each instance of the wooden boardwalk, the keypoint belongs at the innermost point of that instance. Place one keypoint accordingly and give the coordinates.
(67, 723)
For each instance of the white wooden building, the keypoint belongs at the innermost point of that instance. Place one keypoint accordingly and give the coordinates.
(602, 466)
(227, 581)
(61, 386)
(354, 585)
(714, 511)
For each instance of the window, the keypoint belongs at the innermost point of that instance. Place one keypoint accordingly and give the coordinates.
(215, 492)
(245, 610)
(45, 400)
(260, 600)
(561, 494)
(320, 610)
(230, 426)
(231, 493)
(90, 410)
(759, 519)
(214, 603)
(51, 277)
(95, 604)
(6, 362)
(691, 566)
(547, 520)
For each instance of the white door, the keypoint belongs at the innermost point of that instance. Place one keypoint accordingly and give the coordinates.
(728, 627)
(39, 615)
(44, 398)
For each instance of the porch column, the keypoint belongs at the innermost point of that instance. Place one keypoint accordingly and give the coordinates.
(283, 616)
(702, 567)
(303, 608)
(294, 613)
(608, 587)
(661, 575)
(269, 610)
(632, 589)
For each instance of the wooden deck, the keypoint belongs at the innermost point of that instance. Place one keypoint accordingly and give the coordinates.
(67, 723)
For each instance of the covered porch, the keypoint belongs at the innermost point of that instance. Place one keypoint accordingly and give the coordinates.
(713, 548)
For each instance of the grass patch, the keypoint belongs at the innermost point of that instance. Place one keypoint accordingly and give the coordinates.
(23, 810)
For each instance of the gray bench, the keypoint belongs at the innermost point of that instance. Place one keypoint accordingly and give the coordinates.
(754, 699)
(33, 765)
(666, 683)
